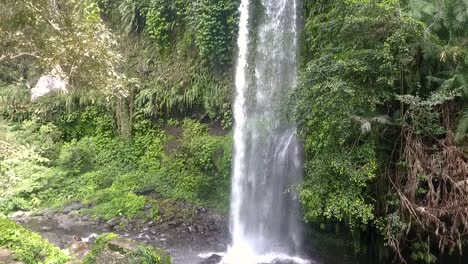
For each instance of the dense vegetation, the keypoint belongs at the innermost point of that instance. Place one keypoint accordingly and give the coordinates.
(130, 119)
(381, 107)
(27, 246)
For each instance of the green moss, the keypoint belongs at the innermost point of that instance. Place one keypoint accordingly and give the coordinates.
(109, 173)
(135, 252)
(112, 202)
(27, 246)
(99, 245)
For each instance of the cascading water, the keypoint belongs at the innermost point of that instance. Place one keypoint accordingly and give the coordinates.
(264, 218)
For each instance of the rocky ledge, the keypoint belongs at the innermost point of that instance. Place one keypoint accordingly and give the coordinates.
(183, 229)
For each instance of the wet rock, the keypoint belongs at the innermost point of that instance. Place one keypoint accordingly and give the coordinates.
(211, 240)
(49, 83)
(17, 214)
(80, 249)
(212, 226)
(47, 213)
(220, 247)
(66, 222)
(174, 224)
(119, 229)
(46, 228)
(144, 191)
(200, 210)
(190, 229)
(54, 238)
(86, 218)
(73, 213)
(112, 249)
(73, 207)
(213, 259)
(21, 217)
(113, 222)
(6, 257)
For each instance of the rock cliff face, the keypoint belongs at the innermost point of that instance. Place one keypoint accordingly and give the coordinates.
(112, 249)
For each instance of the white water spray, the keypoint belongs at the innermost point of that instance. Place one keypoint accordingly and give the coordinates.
(264, 212)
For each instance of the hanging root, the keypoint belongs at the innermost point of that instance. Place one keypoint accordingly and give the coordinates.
(433, 190)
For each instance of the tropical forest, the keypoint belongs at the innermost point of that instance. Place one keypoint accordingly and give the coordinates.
(233, 131)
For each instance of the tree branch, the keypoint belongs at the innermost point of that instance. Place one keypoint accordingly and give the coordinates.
(22, 54)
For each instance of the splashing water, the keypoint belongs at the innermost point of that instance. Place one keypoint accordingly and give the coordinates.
(264, 212)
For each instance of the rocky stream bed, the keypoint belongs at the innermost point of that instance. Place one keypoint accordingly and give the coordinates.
(189, 234)
(184, 238)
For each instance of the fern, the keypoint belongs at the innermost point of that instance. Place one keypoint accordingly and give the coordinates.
(129, 15)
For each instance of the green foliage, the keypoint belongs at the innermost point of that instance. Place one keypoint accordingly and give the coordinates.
(143, 254)
(149, 142)
(357, 60)
(215, 24)
(45, 139)
(212, 24)
(381, 86)
(111, 203)
(448, 19)
(181, 86)
(24, 172)
(445, 49)
(99, 245)
(106, 172)
(130, 12)
(90, 121)
(28, 247)
(14, 100)
(199, 169)
(66, 35)
(161, 17)
(77, 156)
(181, 52)
(421, 116)
(421, 252)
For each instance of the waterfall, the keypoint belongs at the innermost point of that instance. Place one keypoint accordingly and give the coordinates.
(264, 212)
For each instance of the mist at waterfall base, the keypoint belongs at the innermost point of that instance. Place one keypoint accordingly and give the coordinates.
(264, 220)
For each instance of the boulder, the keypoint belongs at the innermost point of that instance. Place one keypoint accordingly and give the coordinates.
(113, 222)
(55, 81)
(17, 214)
(47, 213)
(213, 259)
(220, 247)
(72, 207)
(79, 249)
(113, 249)
(6, 257)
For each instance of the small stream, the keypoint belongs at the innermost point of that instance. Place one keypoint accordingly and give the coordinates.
(64, 232)
(184, 248)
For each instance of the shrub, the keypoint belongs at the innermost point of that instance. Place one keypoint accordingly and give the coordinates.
(78, 156)
(111, 203)
(28, 247)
